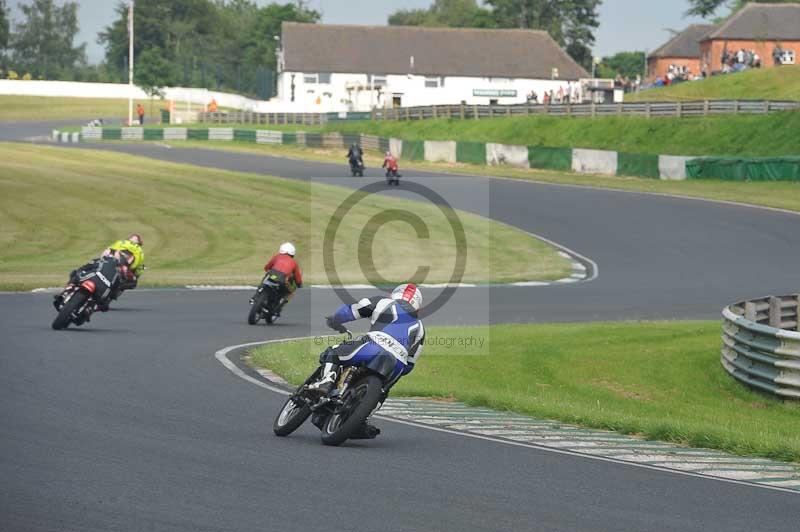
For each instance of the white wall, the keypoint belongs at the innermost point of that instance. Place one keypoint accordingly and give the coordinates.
(77, 89)
(335, 96)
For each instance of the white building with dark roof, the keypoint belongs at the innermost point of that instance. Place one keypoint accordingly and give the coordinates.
(358, 68)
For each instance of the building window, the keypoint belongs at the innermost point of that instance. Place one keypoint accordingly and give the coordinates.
(324, 77)
(378, 80)
(788, 57)
(432, 83)
(311, 79)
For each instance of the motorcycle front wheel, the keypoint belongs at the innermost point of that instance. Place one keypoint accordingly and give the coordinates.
(64, 317)
(292, 415)
(359, 402)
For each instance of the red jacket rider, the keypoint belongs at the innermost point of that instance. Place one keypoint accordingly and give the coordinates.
(390, 163)
(284, 262)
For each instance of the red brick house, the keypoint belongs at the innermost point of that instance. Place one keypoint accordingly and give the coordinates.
(681, 51)
(771, 30)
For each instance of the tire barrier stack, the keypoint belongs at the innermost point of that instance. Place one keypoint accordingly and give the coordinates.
(761, 344)
(602, 162)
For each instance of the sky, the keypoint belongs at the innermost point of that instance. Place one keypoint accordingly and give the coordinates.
(624, 24)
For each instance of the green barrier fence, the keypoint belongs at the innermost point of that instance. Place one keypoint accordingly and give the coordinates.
(197, 134)
(244, 135)
(471, 152)
(550, 158)
(745, 169)
(414, 150)
(155, 133)
(112, 133)
(288, 138)
(314, 140)
(638, 164)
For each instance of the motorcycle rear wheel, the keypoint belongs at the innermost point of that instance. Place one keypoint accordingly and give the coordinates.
(255, 309)
(64, 317)
(362, 397)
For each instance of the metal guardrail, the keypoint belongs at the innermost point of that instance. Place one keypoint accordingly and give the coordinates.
(478, 112)
(761, 344)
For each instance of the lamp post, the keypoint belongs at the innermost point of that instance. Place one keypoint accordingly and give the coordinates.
(130, 63)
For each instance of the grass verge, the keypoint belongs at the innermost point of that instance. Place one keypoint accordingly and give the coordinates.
(22, 108)
(59, 207)
(776, 194)
(660, 380)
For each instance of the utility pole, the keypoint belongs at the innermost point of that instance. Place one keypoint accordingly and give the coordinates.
(130, 63)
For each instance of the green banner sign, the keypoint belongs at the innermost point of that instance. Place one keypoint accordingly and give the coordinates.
(501, 93)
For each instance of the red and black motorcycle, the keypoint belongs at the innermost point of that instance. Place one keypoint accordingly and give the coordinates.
(91, 286)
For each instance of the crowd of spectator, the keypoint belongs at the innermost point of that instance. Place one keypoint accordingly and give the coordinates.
(573, 92)
(741, 60)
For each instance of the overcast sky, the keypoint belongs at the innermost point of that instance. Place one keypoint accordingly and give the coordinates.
(624, 24)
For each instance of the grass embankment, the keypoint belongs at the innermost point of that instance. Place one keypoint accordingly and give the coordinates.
(716, 135)
(661, 380)
(777, 194)
(59, 207)
(21, 108)
(765, 84)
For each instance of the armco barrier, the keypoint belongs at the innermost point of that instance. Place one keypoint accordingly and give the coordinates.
(440, 151)
(550, 158)
(507, 154)
(745, 168)
(638, 164)
(565, 159)
(761, 344)
(672, 167)
(471, 152)
(594, 162)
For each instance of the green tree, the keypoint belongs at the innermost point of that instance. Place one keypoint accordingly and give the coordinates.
(570, 22)
(4, 27)
(707, 8)
(625, 64)
(152, 73)
(44, 42)
(450, 13)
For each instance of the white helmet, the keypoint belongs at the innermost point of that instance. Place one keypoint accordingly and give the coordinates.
(408, 292)
(287, 248)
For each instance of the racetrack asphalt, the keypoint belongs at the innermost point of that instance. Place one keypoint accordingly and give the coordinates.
(129, 423)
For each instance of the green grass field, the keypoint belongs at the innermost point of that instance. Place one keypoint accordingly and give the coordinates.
(777, 194)
(661, 380)
(60, 207)
(21, 108)
(767, 84)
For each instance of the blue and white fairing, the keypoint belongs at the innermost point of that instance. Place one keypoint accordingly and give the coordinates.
(395, 330)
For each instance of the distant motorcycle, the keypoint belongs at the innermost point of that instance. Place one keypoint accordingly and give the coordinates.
(342, 414)
(357, 167)
(90, 287)
(268, 301)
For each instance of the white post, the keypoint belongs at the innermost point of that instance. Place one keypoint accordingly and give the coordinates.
(130, 63)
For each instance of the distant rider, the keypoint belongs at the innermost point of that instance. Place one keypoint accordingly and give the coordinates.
(396, 334)
(390, 163)
(355, 155)
(286, 269)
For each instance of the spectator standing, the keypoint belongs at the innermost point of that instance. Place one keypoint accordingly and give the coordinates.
(140, 113)
(212, 106)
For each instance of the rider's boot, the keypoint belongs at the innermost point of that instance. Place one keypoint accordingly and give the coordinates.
(326, 383)
(367, 431)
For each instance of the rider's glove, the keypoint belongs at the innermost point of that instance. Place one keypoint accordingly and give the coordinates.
(333, 324)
